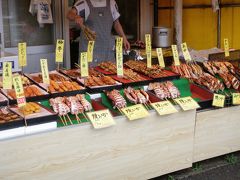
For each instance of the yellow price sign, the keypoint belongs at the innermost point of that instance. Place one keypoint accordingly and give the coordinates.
(7, 75)
(175, 55)
(218, 100)
(101, 119)
(148, 50)
(187, 103)
(164, 107)
(59, 51)
(90, 50)
(226, 47)
(185, 51)
(22, 54)
(84, 64)
(135, 112)
(160, 57)
(119, 56)
(45, 73)
(236, 98)
(18, 86)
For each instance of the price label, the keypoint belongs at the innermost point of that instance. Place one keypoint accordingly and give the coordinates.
(119, 56)
(236, 98)
(135, 112)
(45, 73)
(90, 50)
(226, 47)
(7, 75)
(84, 64)
(164, 108)
(101, 119)
(218, 100)
(160, 57)
(18, 86)
(59, 51)
(22, 54)
(187, 103)
(175, 55)
(185, 51)
(148, 50)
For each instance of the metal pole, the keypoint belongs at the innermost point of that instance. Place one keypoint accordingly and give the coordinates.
(219, 26)
(178, 6)
(155, 12)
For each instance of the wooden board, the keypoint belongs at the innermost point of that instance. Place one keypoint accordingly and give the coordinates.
(140, 149)
(217, 133)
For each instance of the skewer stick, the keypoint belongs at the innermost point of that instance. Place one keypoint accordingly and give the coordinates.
(85, 116)
(120, 110)
(64, 118)
(145, 106)
(77, 118)
(69, 119)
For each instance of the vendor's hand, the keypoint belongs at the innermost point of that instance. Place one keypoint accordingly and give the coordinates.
(126, 44)
(79, 20)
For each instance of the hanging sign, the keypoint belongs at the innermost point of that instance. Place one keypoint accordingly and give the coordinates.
(101, 119)
(236, 98)
(84, 64)
(164, 107)
(160, 57)
(218, 100)
(148, 50)
(7, 75)
(226, 47)
(186, 53)
(22, 54)
(90, 50)
(18, 86)
(45, 73)
(119, 56)
(187, 103)
(59, 51)
(135, 112)
(175, 55)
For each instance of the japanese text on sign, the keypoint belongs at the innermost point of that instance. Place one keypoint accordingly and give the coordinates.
(185, 51)
(226, 47)
(160, 57)
(59, 51)
(119, 56)
(175, 55)
(236, 98)
(22, 54)
(218, 100)
(148, 50)
(164, 108)
(187, 103)
(18, 86)
(90, 50)
(7, 75)
(135, 112)
(84, 64)
(101, 119)
(45, 73)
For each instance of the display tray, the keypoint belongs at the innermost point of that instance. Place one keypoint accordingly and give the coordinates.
(44, 116)
(19, 122)
(99, 69)
(44, 95)
(64, 72)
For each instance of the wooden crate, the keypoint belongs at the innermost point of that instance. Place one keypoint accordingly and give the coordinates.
(140, 149)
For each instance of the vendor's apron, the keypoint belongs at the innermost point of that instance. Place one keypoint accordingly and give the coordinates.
(100, 20)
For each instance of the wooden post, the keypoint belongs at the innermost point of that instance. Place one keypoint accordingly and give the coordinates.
(178, 6)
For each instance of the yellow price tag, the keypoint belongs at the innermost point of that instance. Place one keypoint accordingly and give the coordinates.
(236, 98)
(84, 64)
(135, 112)
(45, 73)
(185, 51)
(101, 119)
(226, 47)
(90, 50)
(187, 103)
(148, 50)
(7, 75)
(175, 55)
(119, 56)
(164, 108)
(59, 51)
(218, 100)
(160, 57)
(22, 54)
(18, 86)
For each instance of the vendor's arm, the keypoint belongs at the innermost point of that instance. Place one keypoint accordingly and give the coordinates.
(118, 28)
(73, 16)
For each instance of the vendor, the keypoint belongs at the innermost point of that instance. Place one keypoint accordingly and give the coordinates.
(100, 16)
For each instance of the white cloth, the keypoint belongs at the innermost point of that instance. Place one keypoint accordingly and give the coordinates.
(82, 7)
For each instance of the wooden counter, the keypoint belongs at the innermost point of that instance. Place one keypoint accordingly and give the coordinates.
(217, 133)
(129, 150)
